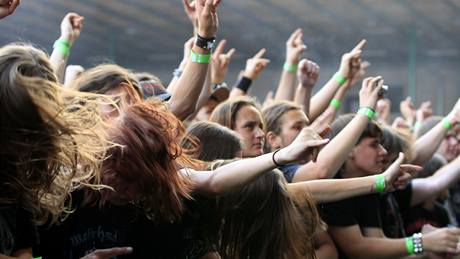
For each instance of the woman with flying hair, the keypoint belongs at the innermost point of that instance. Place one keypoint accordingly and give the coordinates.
(50, 144)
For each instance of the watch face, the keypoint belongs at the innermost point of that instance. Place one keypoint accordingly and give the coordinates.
(210, 44)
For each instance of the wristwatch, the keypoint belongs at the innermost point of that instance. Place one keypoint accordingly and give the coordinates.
(204, 43)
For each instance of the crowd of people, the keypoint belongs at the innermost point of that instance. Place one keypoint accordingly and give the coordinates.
(107, 162)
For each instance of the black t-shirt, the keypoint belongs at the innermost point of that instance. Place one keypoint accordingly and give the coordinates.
(17, 230)
(392, 205)
(415, 218)
(361, 210)
(90, 228)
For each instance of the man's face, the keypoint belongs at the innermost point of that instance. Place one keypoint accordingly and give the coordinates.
(449, 147)
(368, 156)
(292, 122)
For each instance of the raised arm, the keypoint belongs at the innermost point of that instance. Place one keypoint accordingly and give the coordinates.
(329, 190)
(333, 155)
(237, 174)
(71, 27)
(307, 75)
(254, 66)
(294, 50)
(186, 91)
(7, 7)
(426, 145)
(350, 66)
(425, 188)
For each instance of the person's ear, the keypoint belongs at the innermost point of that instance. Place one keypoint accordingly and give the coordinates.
(273, 140)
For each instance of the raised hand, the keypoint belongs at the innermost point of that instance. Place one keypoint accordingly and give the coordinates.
(424, 111)
(454, 115)
(220, 62)
(71, 27)
(7, 7)
(383, 109)
(306, 146)
(295, 47)
(307, 73)
(408, 110)
(350, 64)
(108, 253)
(400, 123)
(359, 74)
(206, 13)
(368, 95)
(190, 10)
(255, 65)
(398, 175)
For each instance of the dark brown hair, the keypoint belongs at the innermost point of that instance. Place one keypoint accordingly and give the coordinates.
(214, 141)
(262, 221)
(225, 113)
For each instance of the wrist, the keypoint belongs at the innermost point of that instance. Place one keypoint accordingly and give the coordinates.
(279, 158)
(249, 75)
(367, 111)
(199, 50)
(67, 38)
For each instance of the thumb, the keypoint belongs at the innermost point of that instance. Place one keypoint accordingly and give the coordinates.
(317, 142)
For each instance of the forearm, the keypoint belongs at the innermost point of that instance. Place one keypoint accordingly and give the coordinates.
(426, 145)
(233, 176)
(321, 100)
(286, 86)
(173, 82)
(334, 154)
(373, 248)
(330, 190)
(425, 188)
(302, 98)
(187, 90)
(58, 59)
(324, 246)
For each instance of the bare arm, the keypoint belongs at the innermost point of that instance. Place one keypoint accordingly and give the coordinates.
(187, 90)
(307, 73)
(425, 188)
(25, 253)
(350, 66)
(71, 27)
(8, 7)
(333, 155)
(426, 145)
(254, 66)
(329, 190)
(237, 174)
(294, 49)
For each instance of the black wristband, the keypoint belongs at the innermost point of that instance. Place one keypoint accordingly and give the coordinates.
(205, 43)
(243, 84)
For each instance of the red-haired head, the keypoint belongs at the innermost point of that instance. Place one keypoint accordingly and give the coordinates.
(144, 167)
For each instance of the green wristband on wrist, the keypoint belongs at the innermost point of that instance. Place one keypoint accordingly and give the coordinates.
(379, 183)
(410, 246)
(340, 79)
(368, 112)
(62, 46)
(446, 124)
(290, 68)
(335, 103)
(200, 58)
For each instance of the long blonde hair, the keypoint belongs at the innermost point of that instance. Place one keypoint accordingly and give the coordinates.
(51, 138)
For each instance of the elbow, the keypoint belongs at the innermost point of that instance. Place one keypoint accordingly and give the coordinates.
(182, 111)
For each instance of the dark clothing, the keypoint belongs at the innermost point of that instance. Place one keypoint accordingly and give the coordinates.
(392, 205)
(361, 210)
(415, 218)
(289, 171)
(90, 228)
(17, 230)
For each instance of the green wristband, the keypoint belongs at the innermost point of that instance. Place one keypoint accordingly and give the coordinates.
(380, 183)
(336, 103)
(200, 58)
(340, 79)
(410, 246)
(62, 46)
(446, 124)
(368, 112)
(290, 68)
